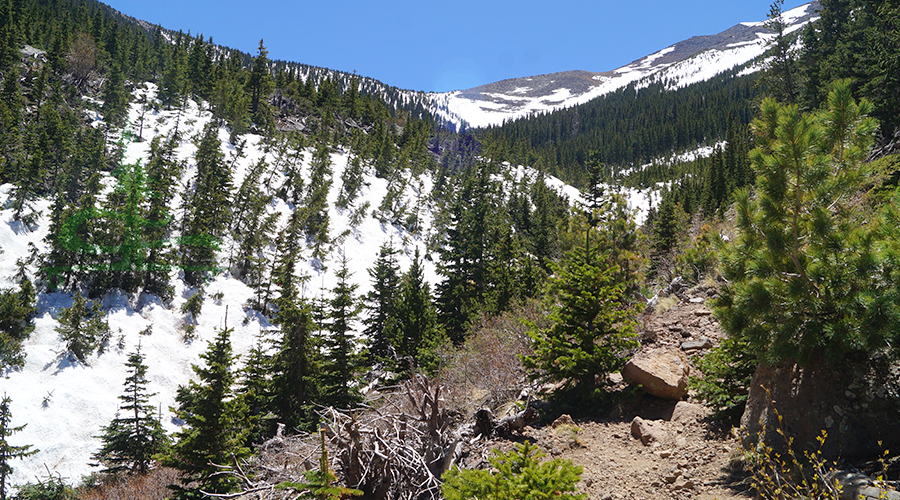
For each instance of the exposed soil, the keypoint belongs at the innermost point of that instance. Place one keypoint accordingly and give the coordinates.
(691, 462)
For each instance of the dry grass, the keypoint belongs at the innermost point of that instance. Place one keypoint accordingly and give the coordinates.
(665, 303)
(150, 486)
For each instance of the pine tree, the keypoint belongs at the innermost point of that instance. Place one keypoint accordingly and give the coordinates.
(293, 366)
(542, 230)
(255, 387)
(519, 473)
(592, 322)
(8, 451)
(215, 428)
(207, 209)
(466, 254)
(115, 97)
(782, 68)
(315, 209)
(413, 326)
(173, 84)
(259, 86)
(385, 277)
(253, 228)
(666, 230)
(12, 115)
(289, 160)
(162, 170)
(17, 310)
(200, 68)
(122, 225)
(230, 101)
(284, 265)
(352, 181)
(130, 441)
(341, 360)
(83, 328)
(810, 274)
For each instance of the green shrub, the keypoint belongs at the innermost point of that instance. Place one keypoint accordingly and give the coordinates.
(813, 271)
(728, 370)
(592, 323)
(52, 489)
(699, 260)
(518, 474)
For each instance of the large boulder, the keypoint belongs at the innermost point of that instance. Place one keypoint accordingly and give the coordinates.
(857, 404)
(659, 372)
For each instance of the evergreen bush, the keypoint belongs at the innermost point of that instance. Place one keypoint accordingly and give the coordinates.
(517, 474)
(813, 270)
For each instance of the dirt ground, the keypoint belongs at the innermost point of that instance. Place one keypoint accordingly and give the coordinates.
(689, 463)
(694, 457)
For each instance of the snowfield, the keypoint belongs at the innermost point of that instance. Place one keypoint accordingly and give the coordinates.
(65, 403)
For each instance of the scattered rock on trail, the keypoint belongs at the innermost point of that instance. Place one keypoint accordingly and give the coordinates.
(685, 412)
(703, 343)
(648, 432)
(659, 372)
(563, 419)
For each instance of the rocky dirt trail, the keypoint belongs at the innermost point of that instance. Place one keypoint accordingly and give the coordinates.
(686, 456)
(688, 462)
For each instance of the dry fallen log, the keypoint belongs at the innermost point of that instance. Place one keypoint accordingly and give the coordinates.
(517, 422)
(486, 425)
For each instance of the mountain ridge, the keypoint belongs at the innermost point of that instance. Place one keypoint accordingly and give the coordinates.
(494, 103)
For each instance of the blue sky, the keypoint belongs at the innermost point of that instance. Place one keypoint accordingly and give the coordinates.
(442, 46)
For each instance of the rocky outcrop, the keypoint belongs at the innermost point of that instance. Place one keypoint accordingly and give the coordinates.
(659, 372)
(856, 404)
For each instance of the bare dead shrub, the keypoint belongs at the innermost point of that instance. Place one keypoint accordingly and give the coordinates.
(487, 370)
(395, 449)
(150, 486)
(82, 58)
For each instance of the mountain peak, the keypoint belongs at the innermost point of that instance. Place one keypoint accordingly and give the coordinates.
(696, 59)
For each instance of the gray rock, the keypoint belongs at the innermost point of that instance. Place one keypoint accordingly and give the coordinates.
(812, 396)
(703, 343)
(859, 486)
(685, 412)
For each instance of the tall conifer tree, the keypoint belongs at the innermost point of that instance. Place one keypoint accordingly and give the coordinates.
(8, 451)
(341, 359)
(293, 366)
(132, 438)
(413, 328)
(215, 430)
(259, 86)
(385, 277)
(207, 210)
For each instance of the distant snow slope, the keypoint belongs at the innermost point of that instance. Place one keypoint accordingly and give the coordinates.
(696, 59)
(65, 403)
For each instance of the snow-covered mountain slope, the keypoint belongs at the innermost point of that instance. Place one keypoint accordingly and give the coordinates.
(693, 60)
(65, 403)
